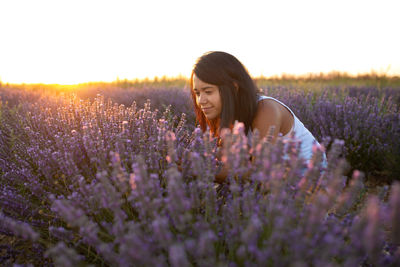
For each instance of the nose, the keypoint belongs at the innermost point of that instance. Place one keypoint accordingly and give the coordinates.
(202, 98)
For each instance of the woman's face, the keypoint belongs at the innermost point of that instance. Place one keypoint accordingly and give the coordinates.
(208, 98)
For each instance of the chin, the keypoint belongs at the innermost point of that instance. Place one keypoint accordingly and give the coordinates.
(210, 117)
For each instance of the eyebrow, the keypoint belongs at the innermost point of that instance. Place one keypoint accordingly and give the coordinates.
(204, 88)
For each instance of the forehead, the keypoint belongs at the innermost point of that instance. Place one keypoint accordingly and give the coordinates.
(199, 84)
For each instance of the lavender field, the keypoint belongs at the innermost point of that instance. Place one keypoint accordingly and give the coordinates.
(92, 178)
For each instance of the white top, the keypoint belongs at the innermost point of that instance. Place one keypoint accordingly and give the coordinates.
(300, 132)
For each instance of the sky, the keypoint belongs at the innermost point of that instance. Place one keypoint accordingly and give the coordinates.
(69, 42)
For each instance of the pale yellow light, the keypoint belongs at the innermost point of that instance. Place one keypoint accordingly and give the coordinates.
(69, 42)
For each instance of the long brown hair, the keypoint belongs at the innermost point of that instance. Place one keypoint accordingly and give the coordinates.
(226, 72)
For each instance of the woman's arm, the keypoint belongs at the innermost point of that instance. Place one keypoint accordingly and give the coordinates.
(268, 116)
(224, 170)
(222, 174)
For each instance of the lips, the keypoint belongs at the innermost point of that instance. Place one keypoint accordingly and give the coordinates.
(206, 109)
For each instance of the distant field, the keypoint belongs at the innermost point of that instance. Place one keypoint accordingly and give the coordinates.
(312, 81)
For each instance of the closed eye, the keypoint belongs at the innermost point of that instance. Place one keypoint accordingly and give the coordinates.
(208, 92)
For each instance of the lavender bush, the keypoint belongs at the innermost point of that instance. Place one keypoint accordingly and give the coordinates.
(107, 184)
(366, 118)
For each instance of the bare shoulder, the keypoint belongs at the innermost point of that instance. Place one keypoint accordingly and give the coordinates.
(268, 114)
(268, 108)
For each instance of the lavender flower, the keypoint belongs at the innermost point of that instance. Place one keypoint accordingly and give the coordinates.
(129, 183)
(21, 229)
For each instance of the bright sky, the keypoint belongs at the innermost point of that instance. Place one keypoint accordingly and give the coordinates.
(78, 41)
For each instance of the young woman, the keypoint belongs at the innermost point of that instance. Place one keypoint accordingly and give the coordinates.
(223, 91)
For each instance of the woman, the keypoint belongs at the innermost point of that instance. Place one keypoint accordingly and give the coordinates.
(223, 91)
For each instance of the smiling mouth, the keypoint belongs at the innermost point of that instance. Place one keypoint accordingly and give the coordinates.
(206, 109)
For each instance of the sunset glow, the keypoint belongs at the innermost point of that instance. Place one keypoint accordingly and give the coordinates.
(69, 42)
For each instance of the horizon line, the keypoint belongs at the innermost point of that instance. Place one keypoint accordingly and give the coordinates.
(282, 76)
